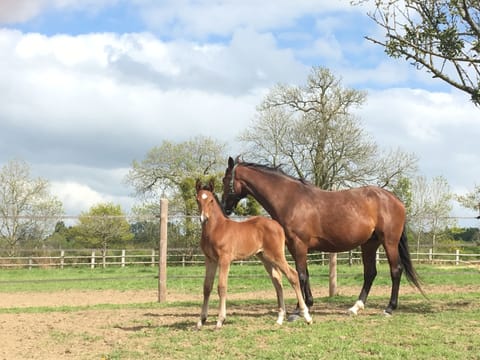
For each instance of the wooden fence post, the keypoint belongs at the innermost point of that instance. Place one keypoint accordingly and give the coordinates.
(153, 257)
(62, 258)
(92, 261)
(332, 267)
(123, 258)
(162, 257)
(457, 257)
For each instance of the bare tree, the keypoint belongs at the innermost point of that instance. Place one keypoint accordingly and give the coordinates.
(28, 212)
(441, 36)
(431, 204)
(310, 131)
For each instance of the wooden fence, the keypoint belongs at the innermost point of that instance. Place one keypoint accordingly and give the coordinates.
(191, 257)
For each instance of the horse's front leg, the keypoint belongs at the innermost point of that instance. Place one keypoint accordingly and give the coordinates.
(210, 270)
(299, 254)
(222, 291)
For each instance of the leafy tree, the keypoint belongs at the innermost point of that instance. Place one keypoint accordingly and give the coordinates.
(441, 36)
(248, 207)
(28, 212)
(311, 132)
(101, 226)
(170, 171)
(471, 200)
(61, 237)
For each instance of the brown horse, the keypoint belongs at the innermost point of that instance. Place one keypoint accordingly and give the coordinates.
(331, 221)
(225, 240)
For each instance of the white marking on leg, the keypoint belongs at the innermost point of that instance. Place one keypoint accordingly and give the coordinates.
(281, 317)
(307, 316)
(359, 305)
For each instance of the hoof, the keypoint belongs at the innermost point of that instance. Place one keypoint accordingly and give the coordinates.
(293, 317)
(387, 313)
(359, 305)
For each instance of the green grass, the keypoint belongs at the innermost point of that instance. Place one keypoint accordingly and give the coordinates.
(242, 278)
(444, 326)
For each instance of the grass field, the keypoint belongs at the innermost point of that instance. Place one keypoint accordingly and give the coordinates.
(444, 326)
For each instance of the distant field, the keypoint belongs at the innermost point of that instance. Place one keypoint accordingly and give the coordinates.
(113, 314)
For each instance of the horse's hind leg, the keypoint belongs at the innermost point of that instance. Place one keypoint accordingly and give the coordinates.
(395, 273)
(369, 250)
(292, 277)
(210, 270)
(276, 278)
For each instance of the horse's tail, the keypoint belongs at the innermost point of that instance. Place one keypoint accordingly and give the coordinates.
(410, 272)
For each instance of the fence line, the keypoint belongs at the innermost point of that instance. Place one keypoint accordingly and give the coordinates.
(187, 257)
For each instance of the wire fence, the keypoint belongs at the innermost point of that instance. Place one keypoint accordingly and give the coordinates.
(187, 257)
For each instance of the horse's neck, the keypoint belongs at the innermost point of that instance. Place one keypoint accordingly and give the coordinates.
(263, 187)
(216, 218)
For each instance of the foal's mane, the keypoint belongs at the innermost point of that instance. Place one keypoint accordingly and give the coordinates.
(275, 170)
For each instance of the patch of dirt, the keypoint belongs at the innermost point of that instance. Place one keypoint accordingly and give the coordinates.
(89, 333)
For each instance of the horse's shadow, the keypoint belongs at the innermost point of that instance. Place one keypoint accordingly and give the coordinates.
(188, 320)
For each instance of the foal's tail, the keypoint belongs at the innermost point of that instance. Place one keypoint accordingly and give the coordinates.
(410, 272)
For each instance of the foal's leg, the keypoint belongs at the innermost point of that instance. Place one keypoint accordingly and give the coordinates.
(369, 250)
(222, 291)
(276, 278)
(210, 270)
(292, 277)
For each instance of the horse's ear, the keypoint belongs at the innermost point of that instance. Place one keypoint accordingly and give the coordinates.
(238, 159)
(211, 184)
(231, 163)
(198, 185)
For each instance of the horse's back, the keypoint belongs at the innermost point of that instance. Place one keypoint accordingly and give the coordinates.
(342, 220)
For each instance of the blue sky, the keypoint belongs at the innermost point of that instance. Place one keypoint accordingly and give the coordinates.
(91, 85)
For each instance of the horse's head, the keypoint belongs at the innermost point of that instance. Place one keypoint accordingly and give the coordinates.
(205, 199)
(233, 191)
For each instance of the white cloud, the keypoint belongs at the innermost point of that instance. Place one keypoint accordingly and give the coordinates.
(207, 17)
(16, 11)
(102, 100)
(441, 128)
(76, 196)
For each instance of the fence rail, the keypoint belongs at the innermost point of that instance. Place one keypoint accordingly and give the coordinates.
(189, 257)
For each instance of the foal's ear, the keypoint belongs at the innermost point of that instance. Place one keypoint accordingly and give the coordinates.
(211, 185)
(198, 185)
(231, 163)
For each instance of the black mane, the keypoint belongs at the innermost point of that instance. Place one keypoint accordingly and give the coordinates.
(274, 170)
